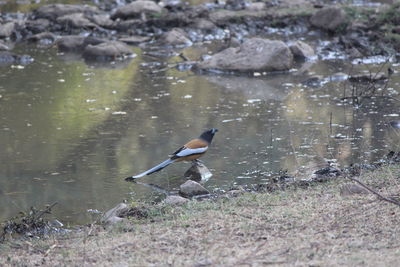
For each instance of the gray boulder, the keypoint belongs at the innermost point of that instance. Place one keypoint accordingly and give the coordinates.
(7, 29)
(54, 11)
(44, 38)
(329, 18)
(135, 9)
(203, 24)
(76, 20)
(254, 54)
(302, 50)
(107, 50)
(191, 188)
(175, 200)
(176, 37)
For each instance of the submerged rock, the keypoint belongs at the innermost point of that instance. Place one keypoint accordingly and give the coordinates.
(329, 18)
(71, 43)
(136, 8)
(191, 188)
(107, 50)
(254, 54)
(175, 200)
(302, 50)
(7, 57)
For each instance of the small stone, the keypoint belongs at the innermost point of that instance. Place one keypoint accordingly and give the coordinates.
(176, 37)
(112, 216)
(302, 50)
(133, 40)
(77, 20)
(175, 200)
(352, 189)
(191, 188)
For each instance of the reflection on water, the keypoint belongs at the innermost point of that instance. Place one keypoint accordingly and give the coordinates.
(70, 132)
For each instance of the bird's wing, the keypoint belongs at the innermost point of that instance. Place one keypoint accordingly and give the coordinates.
(196, 146)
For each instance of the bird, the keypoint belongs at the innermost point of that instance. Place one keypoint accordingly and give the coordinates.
(190, 151)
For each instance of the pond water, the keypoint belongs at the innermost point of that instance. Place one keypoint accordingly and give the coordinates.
(70, 132)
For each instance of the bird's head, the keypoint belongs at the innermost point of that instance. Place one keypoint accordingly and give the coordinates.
(208, 135)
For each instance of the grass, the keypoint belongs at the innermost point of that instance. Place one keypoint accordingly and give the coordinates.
(298, 226)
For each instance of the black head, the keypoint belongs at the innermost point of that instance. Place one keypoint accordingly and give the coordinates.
(208, 135)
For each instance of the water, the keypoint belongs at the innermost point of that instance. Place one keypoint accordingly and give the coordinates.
(71, 132)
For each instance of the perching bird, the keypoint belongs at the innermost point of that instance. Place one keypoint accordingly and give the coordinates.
(191, 151)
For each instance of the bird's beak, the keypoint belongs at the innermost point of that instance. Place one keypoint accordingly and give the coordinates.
(214, 130)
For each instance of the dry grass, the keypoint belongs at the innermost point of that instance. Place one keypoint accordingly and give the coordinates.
(312, 226)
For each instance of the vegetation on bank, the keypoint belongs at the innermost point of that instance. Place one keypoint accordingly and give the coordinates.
(323, 223)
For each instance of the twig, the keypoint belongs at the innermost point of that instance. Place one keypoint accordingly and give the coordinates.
(374, 192)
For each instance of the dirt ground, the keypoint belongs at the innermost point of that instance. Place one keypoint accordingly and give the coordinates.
(314, 226)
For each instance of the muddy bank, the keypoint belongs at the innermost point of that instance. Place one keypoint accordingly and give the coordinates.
(321, 225)
(104, 31)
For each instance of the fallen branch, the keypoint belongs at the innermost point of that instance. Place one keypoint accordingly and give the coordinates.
(374, 192)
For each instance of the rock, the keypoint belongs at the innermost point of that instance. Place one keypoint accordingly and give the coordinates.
(44, 38)
(3, 46)
(11, 58)
(302, 50)
(7, 57)
(7, 29)
(352, 189)
(176, 37)
(71, 43)
(235, 192)
(133, 40)
(203, 24)
(198, 172)
(76, 20)
(136, 8)
(191, 188)
(106, 51)
(113, 215)
(175, 200)
(329, 18)
(54, 11)
(258, 6)
(254, 54)
(38, 25)
(368, 77)
(103, 20)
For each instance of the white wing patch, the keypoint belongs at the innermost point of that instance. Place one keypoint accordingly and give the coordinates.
(191, 151)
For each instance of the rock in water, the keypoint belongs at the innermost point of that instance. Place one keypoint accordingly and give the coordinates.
(198, 172)
(191, 188)
(106, 51)
(254, 54)
(302, 50)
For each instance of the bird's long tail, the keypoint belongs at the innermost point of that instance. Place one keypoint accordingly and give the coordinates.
(157, 168)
